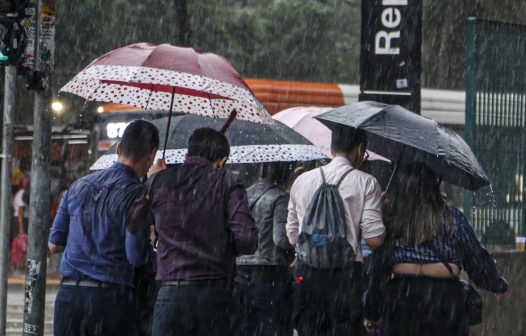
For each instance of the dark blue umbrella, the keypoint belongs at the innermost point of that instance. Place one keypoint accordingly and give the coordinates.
(403, 136)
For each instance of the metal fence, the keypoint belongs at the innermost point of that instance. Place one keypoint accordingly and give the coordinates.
(496, 124)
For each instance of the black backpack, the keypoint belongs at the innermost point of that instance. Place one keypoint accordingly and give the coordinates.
(322, 242)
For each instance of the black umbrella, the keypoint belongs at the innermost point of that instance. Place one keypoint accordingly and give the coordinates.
(249, 142)
(403, 136)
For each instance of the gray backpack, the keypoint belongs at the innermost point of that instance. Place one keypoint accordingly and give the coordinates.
(322, 242)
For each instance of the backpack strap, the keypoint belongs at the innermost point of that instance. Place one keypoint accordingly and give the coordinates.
(322, 175)
(341, 178)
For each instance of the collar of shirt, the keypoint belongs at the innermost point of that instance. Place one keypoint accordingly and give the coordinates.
(198, 160)
(125, 168)
(339, 161)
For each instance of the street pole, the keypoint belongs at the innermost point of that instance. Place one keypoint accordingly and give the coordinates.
(35, 286)
(5, 198)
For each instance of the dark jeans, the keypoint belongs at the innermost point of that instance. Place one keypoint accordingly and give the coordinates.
(146, 288)
(90, 311)
(328, 302)
(419, 305)
(264, 301)
(193, 311)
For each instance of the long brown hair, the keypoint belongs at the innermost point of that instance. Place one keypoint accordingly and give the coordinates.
(419, 208)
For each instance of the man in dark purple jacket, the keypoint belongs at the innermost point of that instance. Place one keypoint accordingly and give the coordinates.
(203, 222)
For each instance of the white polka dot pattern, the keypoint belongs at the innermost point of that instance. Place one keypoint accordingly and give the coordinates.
(238, 154)
(89, 84)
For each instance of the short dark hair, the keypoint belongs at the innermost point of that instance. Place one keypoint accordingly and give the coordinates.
(346, 139)
(140, 137)
(278, 172)
(209, 144)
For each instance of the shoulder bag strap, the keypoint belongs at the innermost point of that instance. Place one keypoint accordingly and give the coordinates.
(251, 205)
(442, 259)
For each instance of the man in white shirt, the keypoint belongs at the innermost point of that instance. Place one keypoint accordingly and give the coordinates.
(328, 301)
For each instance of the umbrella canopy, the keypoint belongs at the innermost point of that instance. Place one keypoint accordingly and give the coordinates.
(301, 119)
(403, 136)
(249, 142)
(167, 77)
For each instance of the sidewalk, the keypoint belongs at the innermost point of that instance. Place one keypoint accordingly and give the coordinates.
(20, 282)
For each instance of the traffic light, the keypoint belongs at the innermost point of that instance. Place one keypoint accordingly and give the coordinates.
(23, 8)
(12, 32)
(12, 40)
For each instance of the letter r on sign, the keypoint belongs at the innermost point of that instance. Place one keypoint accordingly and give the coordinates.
(382, 44)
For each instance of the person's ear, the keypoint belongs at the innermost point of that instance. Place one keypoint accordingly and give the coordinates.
(152, 154)
(362, 150)
(223, 162)
(118, 148)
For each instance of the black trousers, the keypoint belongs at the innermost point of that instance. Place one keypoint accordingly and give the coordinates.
(263, 300)
(419, 305)
(328, 302)
(92, 311)
(193, 311)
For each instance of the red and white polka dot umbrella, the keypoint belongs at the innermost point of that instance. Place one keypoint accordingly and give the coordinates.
(171, 78)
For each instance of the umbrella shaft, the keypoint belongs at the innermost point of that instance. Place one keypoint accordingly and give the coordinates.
(169, 120)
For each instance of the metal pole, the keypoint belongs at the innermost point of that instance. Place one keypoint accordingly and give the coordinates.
(5, 198)
(469, 124)
(35, 287)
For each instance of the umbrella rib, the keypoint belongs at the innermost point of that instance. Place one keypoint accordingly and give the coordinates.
(149, 98)
(209, 98)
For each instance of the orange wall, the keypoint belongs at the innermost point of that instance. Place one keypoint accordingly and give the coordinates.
(279, 95)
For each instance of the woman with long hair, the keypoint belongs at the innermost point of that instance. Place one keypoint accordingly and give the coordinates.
(411, 290)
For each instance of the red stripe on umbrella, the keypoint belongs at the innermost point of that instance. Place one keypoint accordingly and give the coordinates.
(168, 89)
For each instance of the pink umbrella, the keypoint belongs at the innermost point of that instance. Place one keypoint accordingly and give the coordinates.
(301, 119)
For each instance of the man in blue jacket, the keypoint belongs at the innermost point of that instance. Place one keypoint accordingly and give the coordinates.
(96, 292)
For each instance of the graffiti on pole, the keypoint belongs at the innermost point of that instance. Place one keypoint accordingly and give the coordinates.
(46, 44)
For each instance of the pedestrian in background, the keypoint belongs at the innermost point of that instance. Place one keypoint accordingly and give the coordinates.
(203, 222)
(96, 293)
(263, 281)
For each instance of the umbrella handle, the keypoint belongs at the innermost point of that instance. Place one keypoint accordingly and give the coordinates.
(395, 169)
(169, 120)
(229, 121)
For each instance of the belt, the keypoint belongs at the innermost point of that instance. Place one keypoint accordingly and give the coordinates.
(90, 283)
(198, 283)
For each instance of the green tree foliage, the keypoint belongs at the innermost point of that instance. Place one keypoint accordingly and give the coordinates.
(308, 40)
(283, 39)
